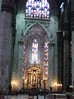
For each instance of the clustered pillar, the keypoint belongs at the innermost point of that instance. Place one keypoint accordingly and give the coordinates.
(6, 42)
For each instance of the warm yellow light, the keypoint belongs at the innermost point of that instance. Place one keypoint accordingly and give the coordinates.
(13, 82)
(25, 81)
(59, 85)
(14, 85)
(55, 84)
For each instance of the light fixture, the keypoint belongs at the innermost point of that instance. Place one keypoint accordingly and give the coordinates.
(61, 5)
(14, 85)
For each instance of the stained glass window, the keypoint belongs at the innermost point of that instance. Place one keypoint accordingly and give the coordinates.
(37, 9)
(35, 50)
(24, 60)
(46, 58)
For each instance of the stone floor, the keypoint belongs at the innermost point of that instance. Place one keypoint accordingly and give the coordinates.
(24, 97)
(50, 96)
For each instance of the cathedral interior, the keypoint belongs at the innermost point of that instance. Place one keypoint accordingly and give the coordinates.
(36, 44)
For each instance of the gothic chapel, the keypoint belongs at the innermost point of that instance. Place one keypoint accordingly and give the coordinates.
(36, 44)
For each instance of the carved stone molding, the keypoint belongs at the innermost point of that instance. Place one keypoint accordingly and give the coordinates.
(21, 42)
(67, 35)
(72, 20)
(36, 30)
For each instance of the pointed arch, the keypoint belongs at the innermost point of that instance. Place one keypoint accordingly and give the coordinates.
(37, 24)
(37, 33)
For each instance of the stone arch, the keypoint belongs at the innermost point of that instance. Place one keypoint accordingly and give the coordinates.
(38, 26)
(35, 31)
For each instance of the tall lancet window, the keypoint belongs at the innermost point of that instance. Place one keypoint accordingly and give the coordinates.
(46, 58)
(35, 50)
(37, 9)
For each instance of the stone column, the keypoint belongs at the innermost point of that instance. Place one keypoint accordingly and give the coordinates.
(0, 5)
(66, 51)
(73, 58)
(5, 43)
(51, 68)
(72, 31)
(66, 60)
(60, 56)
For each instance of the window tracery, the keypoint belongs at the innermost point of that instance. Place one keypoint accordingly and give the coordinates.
(37, 9)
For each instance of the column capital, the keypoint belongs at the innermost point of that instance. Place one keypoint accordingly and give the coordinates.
(21, 42)
(66, 36)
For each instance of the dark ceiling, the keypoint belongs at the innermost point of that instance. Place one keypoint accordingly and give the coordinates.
(58, 3)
